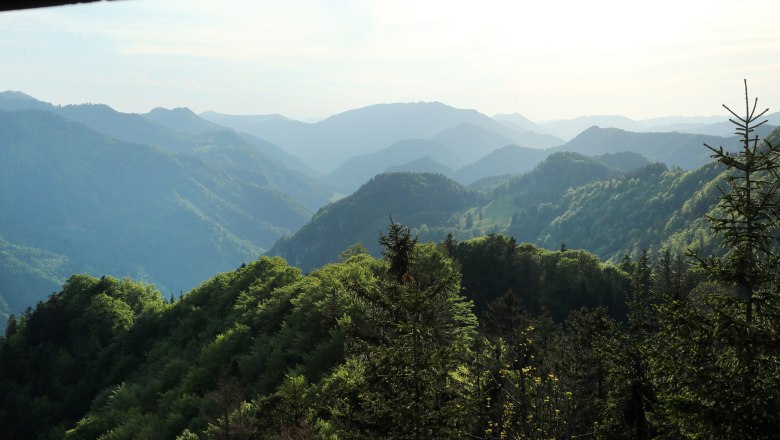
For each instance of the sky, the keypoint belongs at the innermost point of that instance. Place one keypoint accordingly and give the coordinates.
(311, 59)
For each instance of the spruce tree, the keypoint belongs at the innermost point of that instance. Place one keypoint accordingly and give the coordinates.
(748, 213)
(410, 356)
(717, 355)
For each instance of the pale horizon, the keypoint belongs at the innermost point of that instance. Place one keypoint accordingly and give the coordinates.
(310, 61)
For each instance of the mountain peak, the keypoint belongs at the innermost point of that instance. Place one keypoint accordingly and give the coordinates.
(13, 100)
(182, 119)
(12, 94)
(178, 110)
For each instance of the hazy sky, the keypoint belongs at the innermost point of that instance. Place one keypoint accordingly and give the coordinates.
(304, 59)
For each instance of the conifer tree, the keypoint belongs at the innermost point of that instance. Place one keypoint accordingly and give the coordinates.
(717, 355)
(631, 396)
(748, 215)
(11, 326)
(410, 355)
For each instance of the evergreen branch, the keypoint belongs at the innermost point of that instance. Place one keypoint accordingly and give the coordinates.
(735, 115)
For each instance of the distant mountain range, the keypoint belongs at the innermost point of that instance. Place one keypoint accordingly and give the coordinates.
(182, 131)
(568, 129)
(86, 188)
(328, 143)
(682, 150)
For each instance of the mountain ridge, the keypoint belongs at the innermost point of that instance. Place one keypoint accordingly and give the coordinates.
(129, 209)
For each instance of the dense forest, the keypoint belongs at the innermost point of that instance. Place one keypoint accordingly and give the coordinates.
(480, 338)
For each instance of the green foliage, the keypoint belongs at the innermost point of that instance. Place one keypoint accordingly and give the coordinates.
(353, 250)
(623, 215)
(412, 350)
(717, 353)
(60, 355)
(624, 161)
(202, 364)
(699, 361)
(558, 282)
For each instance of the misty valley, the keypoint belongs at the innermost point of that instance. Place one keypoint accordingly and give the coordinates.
(405, 271)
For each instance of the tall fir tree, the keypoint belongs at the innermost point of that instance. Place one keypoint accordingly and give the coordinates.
(410, 356)
(717, 356)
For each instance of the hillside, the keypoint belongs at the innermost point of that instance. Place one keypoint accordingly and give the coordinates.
(624, 161)
(28, 274)
(126, 209)
(264, 351)
(252, 159)
(151, 369)
(411, 199)
(243, 123)
(607, 211)
(552, 177)
(203, 132)
(516, 120)
(619, 216)
(128, 127)
(433, 206)
(10, 100)
(612, 205)
(181, 131)
(267, 159)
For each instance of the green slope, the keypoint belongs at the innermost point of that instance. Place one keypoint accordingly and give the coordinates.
(276, 166)
(30, 274)
(128, 209)
(590, 203)
(411, 199)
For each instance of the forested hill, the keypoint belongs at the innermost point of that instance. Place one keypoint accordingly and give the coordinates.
(569, 198)
(110, 358)
(409, 198)
(72, 197)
